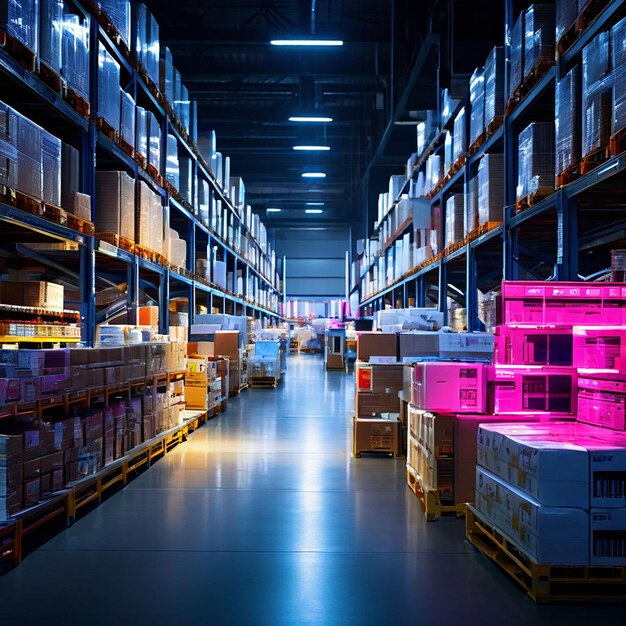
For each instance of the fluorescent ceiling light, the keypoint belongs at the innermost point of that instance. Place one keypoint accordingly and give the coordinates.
(315, 204)
(310, 118)
(313, 175)
(313, 148)
(314, 211)
(306, 42)
(272, 210)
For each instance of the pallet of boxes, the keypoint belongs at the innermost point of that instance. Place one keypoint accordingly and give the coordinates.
(376, 424)
(550, 500)
(203, 384)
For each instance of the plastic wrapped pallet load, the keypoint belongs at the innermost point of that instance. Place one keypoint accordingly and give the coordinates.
(21, 21)
(471, 206)
(490, 188)
(51, 33)
(494, 86)
(29, 158)
(127, 118)
(516, 42)
(539, 31)
(172, 168)
(566, 114)
(115, 198)
(154, 142)
(536, 159)
(433, 171)
(459, 144)
(455, 209)
(118, 11)
(477, 104)
(109, 101)
(75, 53)
(51, 168)
(597, 95)
(618, 58)
(566, 14)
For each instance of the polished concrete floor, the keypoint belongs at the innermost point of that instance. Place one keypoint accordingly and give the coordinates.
(263, 517)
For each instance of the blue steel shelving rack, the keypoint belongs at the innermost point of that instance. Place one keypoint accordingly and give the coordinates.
(97, 261)
(564, 213)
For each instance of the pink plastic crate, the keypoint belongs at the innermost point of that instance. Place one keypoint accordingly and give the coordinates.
(533, 345)
(537, 302)
(600, 347)
(451, 387)
(550, 390)
(602, 400)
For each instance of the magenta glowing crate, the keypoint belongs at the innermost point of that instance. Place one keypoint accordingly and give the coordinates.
(547, 302)
(451, 387)
(527, 344)
(535, 389)
(600, 347)
(602, 398)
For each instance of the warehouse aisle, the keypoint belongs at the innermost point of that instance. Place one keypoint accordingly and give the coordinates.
(262, 518)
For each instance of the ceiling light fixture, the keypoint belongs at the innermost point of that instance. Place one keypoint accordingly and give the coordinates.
(313, 175)
(272, 210)
(310, 119)
(313, 148)
(307, 42)
(315, 204)
(314, 211)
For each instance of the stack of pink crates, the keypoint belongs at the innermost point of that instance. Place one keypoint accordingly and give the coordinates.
(557, 489)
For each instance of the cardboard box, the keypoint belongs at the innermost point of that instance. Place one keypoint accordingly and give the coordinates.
(418, 344)
(375, 344)
(32, 293)
(375, 435)
(335, 362)
(374, 404)
(148, 315)
(197, 398)
(227, 344)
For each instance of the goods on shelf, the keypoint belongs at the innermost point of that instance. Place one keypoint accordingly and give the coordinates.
(433, 171)
(455, 210)
(127, 128)
(597, 95)
(448, 150)
(449, 102)
(37, 294)
(149, 219)
(115, 204)
(21, 21)
(477, 104)
(539, 31)
(75, 53)
(618, 62)
(471, 206)
(118, 11)
(459, 144)
(536, 160)
(490, 188)
(50, 33)
(566, 14)
(494, 86)
(566, 114)
(146, 44)
(109, 102)
(426, 131)
(516, 43)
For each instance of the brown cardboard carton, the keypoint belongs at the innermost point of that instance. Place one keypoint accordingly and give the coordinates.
(335, 362)
(373, 404)
(375, 344)
(227, 344)
(376, 435)
(197, 398)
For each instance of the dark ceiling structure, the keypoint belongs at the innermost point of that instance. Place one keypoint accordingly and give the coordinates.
(374, 87)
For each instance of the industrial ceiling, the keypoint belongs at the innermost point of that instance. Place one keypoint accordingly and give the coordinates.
(383, 77)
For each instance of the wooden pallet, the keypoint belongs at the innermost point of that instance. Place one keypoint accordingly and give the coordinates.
(431, 500)
(532, 198)
(544, 583)
(479, 231)
(18, 51)
(529, 81)
(155, 175)
(593, 159)
(494, 125)
(78, 103)
(54, 214)
(617, 144)
(106, 129)
(477, 144)
(566, 176)
(116, 240)
(263, 382)
(51, 78)
(125, 147)
(141, 160)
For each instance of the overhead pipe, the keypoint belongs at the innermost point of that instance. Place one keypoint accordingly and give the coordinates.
(313, 7)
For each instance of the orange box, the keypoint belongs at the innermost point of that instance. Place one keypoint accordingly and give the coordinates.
(148, 316)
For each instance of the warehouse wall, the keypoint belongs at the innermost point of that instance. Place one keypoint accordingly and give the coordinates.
(315, 261)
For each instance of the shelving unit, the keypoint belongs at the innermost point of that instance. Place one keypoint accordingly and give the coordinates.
(91, 264)
(567, 235)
